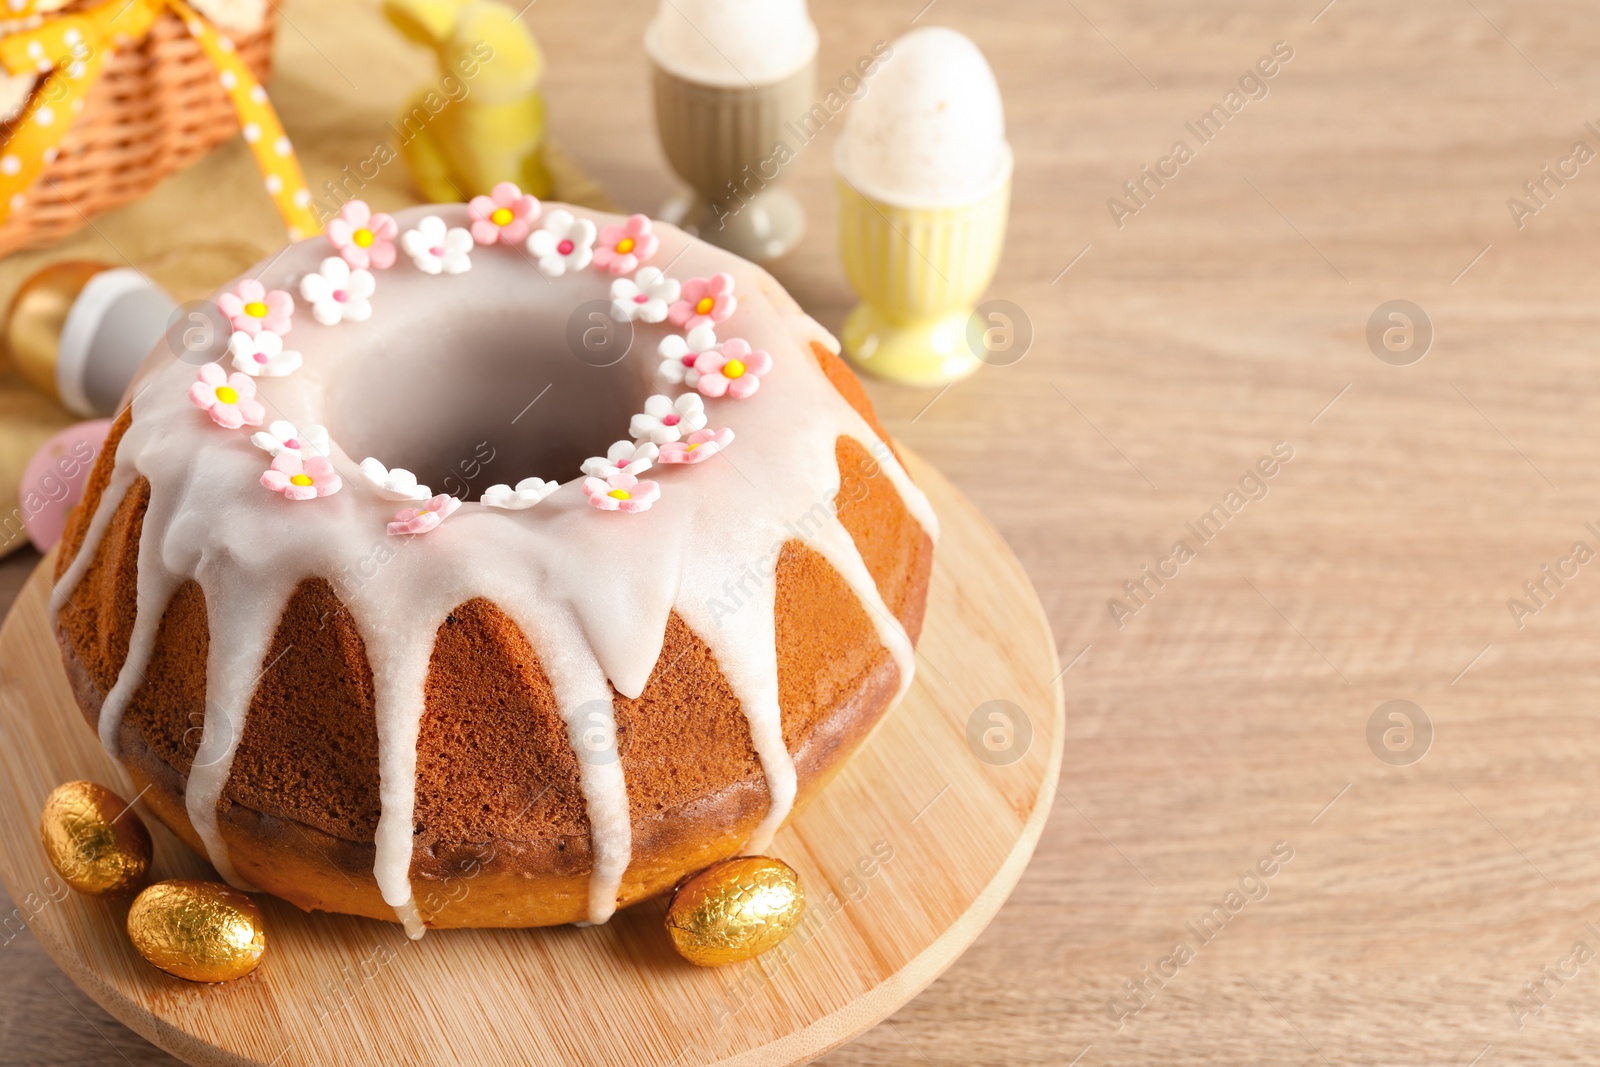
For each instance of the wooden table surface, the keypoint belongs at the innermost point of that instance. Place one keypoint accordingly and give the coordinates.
(1427, 899)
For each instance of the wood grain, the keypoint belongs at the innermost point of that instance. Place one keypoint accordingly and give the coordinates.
(1224, 317)
(907, 854)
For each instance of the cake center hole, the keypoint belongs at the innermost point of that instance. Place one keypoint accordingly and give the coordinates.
(491, 402)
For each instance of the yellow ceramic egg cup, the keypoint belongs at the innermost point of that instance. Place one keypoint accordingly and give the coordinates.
(919, 272)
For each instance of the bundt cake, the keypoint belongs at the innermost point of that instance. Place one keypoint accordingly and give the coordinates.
(499, 701)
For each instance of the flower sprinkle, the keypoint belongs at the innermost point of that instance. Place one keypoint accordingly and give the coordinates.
(507, 214)
(704, 301)
(283, 436)
(338, 293)
(733, 371)
(564, 243)
(645, 297)
(438, 249)
(665, 420)
(302, 479)
(396, 484)
(364, 240)
(527, 493)
(424, 519)
(623, 457)
(622, 249)
(697, 447)
(621, 492)
(230, 399)
(262, 355)
(251, 308)
(679, 354)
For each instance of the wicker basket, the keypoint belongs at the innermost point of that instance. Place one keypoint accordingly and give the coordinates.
(156, 108)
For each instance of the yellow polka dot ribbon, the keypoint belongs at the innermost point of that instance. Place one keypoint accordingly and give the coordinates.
(70, 50)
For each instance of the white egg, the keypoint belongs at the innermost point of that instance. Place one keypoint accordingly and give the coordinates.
(732, 42)
(930, 131)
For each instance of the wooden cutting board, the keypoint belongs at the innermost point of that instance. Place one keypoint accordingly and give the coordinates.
(906, 856)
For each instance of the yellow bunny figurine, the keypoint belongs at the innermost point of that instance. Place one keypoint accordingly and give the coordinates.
(484, 121)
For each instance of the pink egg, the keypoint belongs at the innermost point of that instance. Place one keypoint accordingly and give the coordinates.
(54, 478)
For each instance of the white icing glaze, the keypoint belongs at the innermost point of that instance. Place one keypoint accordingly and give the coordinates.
(592, 591)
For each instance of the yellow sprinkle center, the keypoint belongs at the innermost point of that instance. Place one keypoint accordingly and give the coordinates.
(625, 246)
(300, 479)
(227, 395)
(362, 237)
(501, 216)
(620, 494)
(733, 369)
(704, 306)
(696, 445)
(256, 309)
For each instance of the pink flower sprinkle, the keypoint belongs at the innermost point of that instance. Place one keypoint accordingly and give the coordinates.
(705, 300)
(302, 479)
(735, 370)
(427, 517)
(622, 249)
(697, 447)
(621, 492)
(365, 240)
(230, 400)
(251, 308)
(506, 214)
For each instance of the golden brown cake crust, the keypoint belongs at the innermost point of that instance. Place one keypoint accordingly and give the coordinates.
(501, 836)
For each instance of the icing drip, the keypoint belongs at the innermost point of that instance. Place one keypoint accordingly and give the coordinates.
(836, 545)
(152, 601)
(747, 654)
(584, 699)
(592, 592)
(232, 670)
(611, 834)
(122, 478)
(142, 640)
(411, 919)
(399, 676)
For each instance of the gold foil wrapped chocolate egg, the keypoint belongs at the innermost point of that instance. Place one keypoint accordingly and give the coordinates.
(31, 330)
(735, 910)
(93, 840)
(202, 931)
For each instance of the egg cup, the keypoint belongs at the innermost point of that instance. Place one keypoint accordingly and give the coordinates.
(919, 272)
(724, 142)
